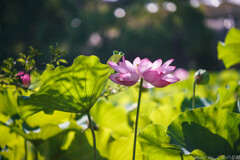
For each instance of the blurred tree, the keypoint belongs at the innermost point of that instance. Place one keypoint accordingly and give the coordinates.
(92, 27)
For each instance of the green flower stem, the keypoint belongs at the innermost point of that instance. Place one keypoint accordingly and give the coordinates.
(35, 151)
(93, 134)
(136, 123)
(26, 149)
(193, 98)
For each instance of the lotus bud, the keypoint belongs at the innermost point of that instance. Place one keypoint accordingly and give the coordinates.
(201, 76)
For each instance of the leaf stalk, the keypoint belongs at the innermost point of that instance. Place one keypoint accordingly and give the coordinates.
(137, 115)
(93, 135)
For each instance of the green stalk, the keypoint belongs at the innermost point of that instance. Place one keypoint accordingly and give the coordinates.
(136, 123)
(26, 149)
(35, 151)
(93, 134)
(193, 98)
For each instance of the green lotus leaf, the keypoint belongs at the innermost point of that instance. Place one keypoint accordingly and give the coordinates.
(8, 97)
(103, 136)
(78, 147)
(40, 134)
(227, 97)
(7, 137)
(40, 119)
(164, 115)
(122, 148)
(229, 52)
(70, 89)
(155, 144)
(106, 115)
(212, 130)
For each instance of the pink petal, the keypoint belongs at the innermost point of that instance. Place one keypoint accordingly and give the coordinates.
(144, 66)
(168, 69)
(128, 65)
(181, 73)
(117, 68)
(168, 62)
(25, 79)
(136, 62)
(157, 64)
(114, 78)
(20, 73)
(160, 83)
(147, 85)
(150, 76)
(171, 78)
(127, 79)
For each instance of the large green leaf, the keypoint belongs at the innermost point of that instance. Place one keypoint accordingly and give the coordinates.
(8, 97)
(79, 149)
(70, 89)
(42, 133)
(227, 96)
(122, 148)
(213, 130)
(164, 115)
(40, 119)
(7, 137)
(155, 144)
(106, 115)
(13, 152)
(103, 136)
(229, 51)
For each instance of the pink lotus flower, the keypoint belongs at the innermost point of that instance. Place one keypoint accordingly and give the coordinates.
(127, 74)
(25, 77)
(181, 73)
(153, 74)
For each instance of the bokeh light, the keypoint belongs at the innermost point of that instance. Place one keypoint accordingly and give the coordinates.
(75, 23)
(119, 13)
(152, 7)
(194, 3)
(170, 6)
(95, 39)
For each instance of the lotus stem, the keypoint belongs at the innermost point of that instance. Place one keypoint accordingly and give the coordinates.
(136, 123)
(35, 151)
(193, 98)
(93, 135)
(26, 149)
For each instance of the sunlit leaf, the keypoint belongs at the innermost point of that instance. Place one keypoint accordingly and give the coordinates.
(79, 149)
(42, 133)
(155, 144)
(8, 97)
(227, 97)
(7, 137)
(41, 119)
(106, 115)
(212, 130)
(103, 136)
(70, 89)
(229, 51)
(164, 115)
(122, 148)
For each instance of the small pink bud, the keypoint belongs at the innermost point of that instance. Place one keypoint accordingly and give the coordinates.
(25, 77)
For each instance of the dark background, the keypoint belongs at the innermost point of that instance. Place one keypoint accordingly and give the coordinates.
(89, 27)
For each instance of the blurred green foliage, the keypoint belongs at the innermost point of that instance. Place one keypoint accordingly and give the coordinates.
(74, 24)
(166, 124)
(229, 51)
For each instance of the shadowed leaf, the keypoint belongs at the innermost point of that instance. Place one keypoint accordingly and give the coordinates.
(70, 89)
